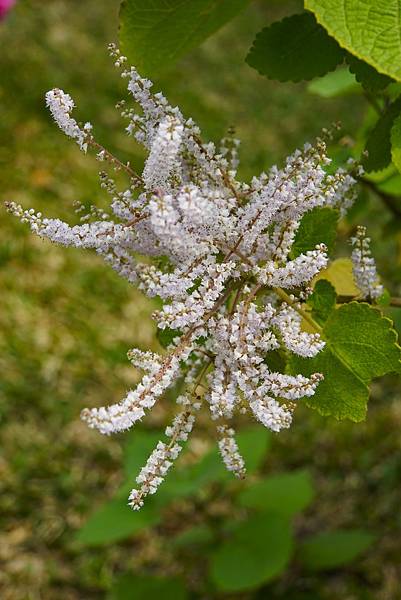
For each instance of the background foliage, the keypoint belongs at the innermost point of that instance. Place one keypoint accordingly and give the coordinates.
(325, 495)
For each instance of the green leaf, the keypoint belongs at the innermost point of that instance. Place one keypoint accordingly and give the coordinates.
(284, 493)
(367, 75)
(115, 521)
(155, 33)
(322, 300)
(139, 587)
(333, 549)
(319, 226)
(369, 29)
(378, 145)
(256, 552)
(294, 49)
(396, 142)
(338, 83)
(360, 345)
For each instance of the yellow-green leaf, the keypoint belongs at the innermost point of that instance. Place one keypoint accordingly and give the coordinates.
(369, 29)
(361, 344)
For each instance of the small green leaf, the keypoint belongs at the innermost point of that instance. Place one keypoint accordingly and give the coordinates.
(156, 33)
(319, 226)
(338, 83)
(369, 29)
(333, 549)
(322, 300)
(284, 493)
(139, 587)
(378, 145)
(115, 521)
(256, 552)
(367, 75)
(360, 345)
(396, 142)
(294, 49)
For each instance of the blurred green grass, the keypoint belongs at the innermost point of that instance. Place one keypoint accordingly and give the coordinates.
(67, 321)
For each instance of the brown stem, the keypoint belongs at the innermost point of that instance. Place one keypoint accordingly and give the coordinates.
(115, 161)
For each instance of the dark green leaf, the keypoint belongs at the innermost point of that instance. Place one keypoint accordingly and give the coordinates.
(378, 145)
(360, 345)
(367, 75)
(284, 493)
(369, 29)
(256, 552)
(155, 33)
(294, 49)
(138, 587)
(333, 549)
(322, 300)
(319, 226)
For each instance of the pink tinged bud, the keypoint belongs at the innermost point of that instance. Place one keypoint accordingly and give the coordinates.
(5, 6)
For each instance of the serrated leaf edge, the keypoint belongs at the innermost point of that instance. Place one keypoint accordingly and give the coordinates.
(330, 31)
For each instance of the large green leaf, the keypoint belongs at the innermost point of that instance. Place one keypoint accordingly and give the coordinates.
(360, 345)
(369, 29)
(115, 521)
(294, 49)
(318, 226)
(256, 552)
(139, 587)
(284, 493)
(378, 145)
(155, 33)
(333, 549)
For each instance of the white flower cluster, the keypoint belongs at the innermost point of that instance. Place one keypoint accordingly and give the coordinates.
(61, 106)
(229, 451)
(364, 266)
(217, 251)
(162, 457)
